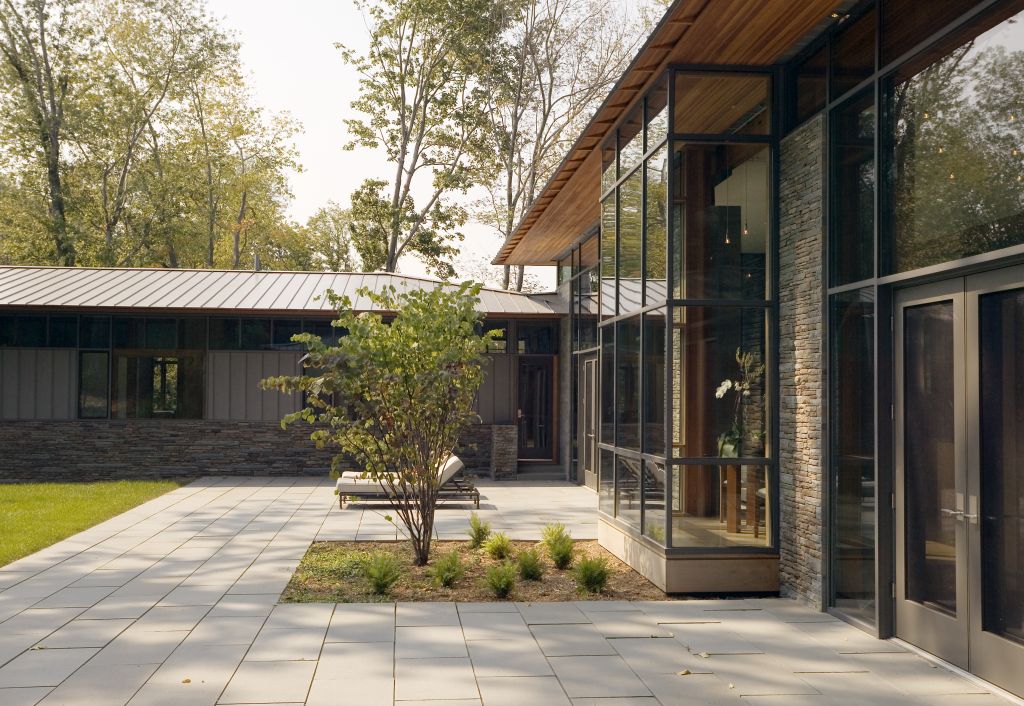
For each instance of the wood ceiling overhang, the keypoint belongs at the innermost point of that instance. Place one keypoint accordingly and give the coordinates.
(747, 32)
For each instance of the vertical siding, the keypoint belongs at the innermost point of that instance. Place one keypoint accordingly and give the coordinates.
(496, 399)
(233, 385)
(37, 383)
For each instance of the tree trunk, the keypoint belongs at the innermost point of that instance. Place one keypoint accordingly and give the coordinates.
(63, 248)
(236, 254)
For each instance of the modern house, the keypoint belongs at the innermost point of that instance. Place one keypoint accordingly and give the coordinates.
(108, 373)
(792, 239)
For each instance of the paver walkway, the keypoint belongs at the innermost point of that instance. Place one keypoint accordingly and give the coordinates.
(174, 602)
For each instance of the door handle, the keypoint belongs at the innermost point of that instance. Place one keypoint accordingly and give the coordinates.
(973, 519)
(952, 513)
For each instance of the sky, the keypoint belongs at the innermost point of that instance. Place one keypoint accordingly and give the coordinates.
(288, 50)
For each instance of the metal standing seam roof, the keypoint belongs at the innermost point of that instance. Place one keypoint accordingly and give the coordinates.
(29, 287)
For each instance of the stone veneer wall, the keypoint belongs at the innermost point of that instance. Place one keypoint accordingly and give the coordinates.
(110, 449)
(801, 228)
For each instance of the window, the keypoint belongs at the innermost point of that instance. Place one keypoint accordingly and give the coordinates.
(654, 500)
(852, 251)
(722, 104)
(38, 331)
(609, 173)
(322, 329)
(657, 115)
(224, 334)
(284, 329)
(627, 384)
(537, 338)
(63, 332)
(956, 167)
(631, 140)
(809, 84)
(852, 452)
(500, 343)
(656, 228)
(93, 384)
(146, 387)
(630, 221)
(654, 383)
(94, 332)
(627, 506)
(720, 506)
(853, 54)
(255, 334)
(608, 256)
(30, 331)
(192, 334)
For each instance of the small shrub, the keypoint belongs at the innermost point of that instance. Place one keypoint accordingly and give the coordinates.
(561, 550)
(530, 566)
(499, 546)
(592, 574)
(447, 570)
(501, 578)
(382, 571)
(478, 532)
(553, 532)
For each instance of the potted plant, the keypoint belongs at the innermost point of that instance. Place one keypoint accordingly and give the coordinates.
(750, 371)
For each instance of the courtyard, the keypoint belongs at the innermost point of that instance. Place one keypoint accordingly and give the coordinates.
(176, 602)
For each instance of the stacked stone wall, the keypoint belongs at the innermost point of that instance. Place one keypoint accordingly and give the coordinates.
(35, 450)
(801, 230)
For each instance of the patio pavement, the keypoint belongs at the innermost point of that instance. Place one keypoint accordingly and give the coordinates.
(175, 602)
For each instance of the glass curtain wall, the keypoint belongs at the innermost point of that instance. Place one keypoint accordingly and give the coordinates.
(685, 313)
(926, 155)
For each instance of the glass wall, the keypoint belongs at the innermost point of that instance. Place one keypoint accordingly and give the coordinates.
(923, 104)
(686, 315)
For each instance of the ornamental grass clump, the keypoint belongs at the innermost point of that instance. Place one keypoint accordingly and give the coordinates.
(592, 574)
(447, 570)
(501, 579)
(499, 546)
(382, 571)
(529, 563)
(559, 545)
(479, 530)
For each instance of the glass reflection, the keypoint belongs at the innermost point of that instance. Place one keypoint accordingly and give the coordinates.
(852, 254)
(957, 164)
(630, 234)
(654, 501)
(721, 506)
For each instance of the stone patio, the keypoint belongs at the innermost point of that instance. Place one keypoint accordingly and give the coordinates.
(175, 602)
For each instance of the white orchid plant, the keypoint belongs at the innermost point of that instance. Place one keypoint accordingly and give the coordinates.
(750, 373)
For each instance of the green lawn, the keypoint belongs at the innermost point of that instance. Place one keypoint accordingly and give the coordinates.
(36, 515)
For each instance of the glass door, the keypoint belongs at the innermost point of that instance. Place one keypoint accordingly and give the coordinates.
(536, 408)
(995, 501)
(959, 425)
(587, 419)
(931, 471)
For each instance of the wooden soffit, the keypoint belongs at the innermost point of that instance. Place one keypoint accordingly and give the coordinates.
(748, 32)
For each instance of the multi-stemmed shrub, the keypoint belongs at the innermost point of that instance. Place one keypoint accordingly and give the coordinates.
(592, 574)
(559, 545)
(447, 569)
(382, 571)
(530, 566)
(501, 579)
(478, 532)
(499, 546)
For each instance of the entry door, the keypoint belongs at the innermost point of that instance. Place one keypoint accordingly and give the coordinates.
(587, 416)
(959, 424)
(536, 409)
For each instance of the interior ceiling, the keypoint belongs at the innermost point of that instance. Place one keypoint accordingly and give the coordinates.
(750, 32)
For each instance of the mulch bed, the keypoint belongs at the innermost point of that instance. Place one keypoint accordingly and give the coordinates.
(331, 572)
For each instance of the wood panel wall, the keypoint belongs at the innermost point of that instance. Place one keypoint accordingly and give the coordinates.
(38, 383)
(233, 389)
(496, 399)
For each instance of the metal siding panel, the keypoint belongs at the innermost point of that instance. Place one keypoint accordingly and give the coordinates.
(26, 384)
(236, 378)
(221, 385)
(279, 286)
(43, 392)
(174, 294)
(34, 286)
(8, 383)
(268, 400)
(105, 292)
(203, 290)
(69, 377)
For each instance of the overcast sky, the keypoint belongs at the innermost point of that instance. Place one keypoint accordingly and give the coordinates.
(289, 53)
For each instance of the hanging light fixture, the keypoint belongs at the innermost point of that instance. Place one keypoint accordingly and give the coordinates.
(728, 241)
(746, 198)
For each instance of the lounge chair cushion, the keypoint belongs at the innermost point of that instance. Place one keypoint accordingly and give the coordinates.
(351, 482)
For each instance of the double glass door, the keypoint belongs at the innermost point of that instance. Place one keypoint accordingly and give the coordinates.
(959, 432)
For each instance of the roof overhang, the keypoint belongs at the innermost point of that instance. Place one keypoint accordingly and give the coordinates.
(744, 32)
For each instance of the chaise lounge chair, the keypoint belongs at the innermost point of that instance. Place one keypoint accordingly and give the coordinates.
(352, 485)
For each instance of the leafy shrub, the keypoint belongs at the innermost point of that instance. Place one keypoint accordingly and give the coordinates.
(553, 532)
(382, 571)
(530, 567)
(561, 550)
(592, 574)
(478, 532)
(499, 546)
(501, 578)
(447, 569)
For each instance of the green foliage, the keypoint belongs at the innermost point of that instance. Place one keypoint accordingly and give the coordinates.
(447, 569)
(561, 549)
(592, 574)
(479, 531)
(552, 531)
(382, 572)
(501, 579)
(423, 97)
(530, 566)
(396, 396)
(499, 546)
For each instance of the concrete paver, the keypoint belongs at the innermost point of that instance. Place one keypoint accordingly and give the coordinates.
(175, 602)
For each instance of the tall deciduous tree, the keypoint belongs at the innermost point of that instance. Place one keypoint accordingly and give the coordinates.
(557, 62)
(45, 45)
(422, 95)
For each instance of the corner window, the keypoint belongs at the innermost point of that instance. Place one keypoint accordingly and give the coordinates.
(145, 387)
